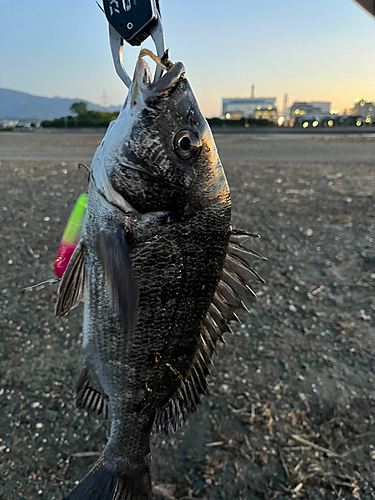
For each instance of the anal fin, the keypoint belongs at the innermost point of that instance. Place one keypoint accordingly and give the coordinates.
(90, 396)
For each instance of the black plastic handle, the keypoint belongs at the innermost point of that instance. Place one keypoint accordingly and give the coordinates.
(369, 5)
(132, 19)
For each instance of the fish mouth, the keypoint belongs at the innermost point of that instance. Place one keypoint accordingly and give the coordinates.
(143, 82)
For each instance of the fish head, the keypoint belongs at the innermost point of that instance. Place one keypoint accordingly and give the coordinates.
(161, 152)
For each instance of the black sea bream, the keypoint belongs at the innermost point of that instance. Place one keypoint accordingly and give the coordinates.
(161, 272)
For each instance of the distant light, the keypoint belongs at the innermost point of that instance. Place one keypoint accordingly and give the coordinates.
(356, 99)
(337, 111)
(270, 107)
(302, 112)
(258, 108)
(305, 124)
(296, 112)
(368, 119)
(358, 123)
(362, 103)
(330, 123)
(315, 123)
(227, 116)
(280, 121)
(371, 109)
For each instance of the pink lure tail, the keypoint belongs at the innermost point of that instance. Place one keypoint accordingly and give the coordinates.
(71, 236)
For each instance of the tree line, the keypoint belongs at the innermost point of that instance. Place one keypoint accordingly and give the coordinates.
(82, 117)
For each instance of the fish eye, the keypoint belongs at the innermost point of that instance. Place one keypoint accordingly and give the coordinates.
(187, 144)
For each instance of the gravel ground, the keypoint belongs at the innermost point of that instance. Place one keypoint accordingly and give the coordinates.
(291, 409)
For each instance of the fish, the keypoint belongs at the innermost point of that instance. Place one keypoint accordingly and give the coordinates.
(161, 272)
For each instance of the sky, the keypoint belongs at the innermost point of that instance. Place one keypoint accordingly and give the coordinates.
(322, 50)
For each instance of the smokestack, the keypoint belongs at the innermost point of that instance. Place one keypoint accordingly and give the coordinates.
(285, 103)
(253, 91)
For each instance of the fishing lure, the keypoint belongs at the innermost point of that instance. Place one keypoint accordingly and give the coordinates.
(71, 236)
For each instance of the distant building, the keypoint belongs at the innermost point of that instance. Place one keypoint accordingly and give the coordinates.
(320, 114)
(309, 108)
(11, 123)
(305, 113)
(5, 123)
(363, 109)
(258, 108)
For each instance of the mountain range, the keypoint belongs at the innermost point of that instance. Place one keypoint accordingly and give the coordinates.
(20, 105)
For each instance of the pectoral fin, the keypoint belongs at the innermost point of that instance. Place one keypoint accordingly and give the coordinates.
(70, 292)
(113, 253)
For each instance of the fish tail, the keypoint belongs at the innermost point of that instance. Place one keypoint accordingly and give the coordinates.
(114, 479)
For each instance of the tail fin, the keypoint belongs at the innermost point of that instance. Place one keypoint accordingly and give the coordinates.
(112, 479)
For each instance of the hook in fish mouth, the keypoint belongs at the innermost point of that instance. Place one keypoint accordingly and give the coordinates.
(162, 62)
(142, 72)
(143, 78)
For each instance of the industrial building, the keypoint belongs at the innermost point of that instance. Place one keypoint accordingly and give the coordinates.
(317, 114)
(258, 108)
(302, 113)
(308, 109)
(363, 109)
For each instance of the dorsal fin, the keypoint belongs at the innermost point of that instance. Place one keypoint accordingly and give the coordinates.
(231, 290)
(71, 288)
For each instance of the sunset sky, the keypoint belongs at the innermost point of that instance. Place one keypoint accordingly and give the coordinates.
(312, 49)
